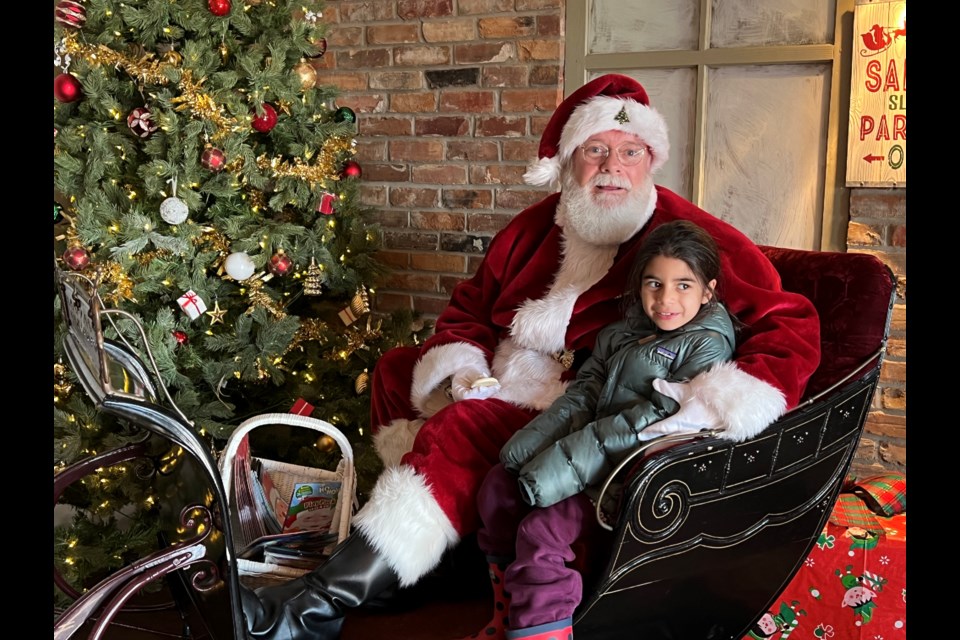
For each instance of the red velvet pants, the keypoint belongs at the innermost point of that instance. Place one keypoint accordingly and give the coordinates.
(455, 447)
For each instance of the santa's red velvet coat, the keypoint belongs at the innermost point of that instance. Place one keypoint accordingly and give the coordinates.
(520, 307)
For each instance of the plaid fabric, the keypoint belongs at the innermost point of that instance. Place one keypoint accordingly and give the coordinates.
(886, 494)
(861, 501)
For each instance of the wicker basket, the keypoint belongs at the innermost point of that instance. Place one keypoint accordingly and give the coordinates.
(255, 573)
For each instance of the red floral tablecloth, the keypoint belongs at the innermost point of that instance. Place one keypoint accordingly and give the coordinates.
(852, 586)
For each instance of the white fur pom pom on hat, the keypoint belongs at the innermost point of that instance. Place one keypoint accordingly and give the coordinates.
(610, 102)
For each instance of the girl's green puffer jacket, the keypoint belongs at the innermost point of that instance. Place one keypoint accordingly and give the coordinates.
(580, 438)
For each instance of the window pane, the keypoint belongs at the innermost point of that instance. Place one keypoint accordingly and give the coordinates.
(765, 138)
(627, 26)
(752, 23)
(673, 93)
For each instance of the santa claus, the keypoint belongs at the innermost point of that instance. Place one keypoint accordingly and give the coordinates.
(512, 337)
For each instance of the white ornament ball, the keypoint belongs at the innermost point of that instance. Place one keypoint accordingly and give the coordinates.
(239, 266)
(174, 210)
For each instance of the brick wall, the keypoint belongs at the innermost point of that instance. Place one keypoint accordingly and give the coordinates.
(451, 97)
(878, 225)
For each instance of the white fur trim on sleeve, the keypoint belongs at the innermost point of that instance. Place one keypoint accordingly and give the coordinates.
(435, 366)
(404, 523)
(528, 378)
(746, 405)
(392, 441)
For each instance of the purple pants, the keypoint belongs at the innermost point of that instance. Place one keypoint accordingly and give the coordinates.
(542, 587)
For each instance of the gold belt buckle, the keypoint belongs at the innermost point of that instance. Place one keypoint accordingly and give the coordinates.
(565, 358)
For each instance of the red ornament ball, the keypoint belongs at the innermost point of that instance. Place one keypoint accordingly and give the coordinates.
(71, 14)
(66, 88)
(280, 264)
(213, 159)
(141, 122)
(267, 121)
(351, 169)
(219, 8)
(319, 48)
(77, 258)
(181, 337)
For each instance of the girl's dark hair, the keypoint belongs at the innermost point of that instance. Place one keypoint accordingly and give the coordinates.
(682, 240)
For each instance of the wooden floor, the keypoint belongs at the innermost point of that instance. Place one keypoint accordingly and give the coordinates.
(440, 619)
(452, 603)
(437, 619)
(455, 601)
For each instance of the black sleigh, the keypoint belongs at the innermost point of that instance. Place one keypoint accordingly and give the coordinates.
(708, 535)
(710, 532)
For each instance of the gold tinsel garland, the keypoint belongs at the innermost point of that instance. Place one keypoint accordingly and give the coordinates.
(148, 70)
(143, 67)
(61, 381)
(146, 257)
(111, 272)
(202, 104)
(325, 168)
(214, 238)
(260, 298)
(311, 329)
(357, 339)
(256, 198)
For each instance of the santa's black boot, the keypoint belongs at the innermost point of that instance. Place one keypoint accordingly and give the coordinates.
(312, 606)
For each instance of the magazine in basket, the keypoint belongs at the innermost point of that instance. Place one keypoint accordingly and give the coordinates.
(300, 498)
(288, 517)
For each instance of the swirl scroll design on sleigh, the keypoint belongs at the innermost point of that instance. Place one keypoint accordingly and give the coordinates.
(659, 517)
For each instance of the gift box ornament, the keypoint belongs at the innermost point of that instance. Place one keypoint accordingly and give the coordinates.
(192, 304)
(301, 407)
(347, 316)
(325, 206)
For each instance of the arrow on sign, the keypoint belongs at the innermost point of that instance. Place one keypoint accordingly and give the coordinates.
(870, 158)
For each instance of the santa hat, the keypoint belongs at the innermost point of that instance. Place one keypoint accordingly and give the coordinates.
(609, 102)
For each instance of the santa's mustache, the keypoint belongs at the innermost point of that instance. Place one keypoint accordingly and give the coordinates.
(611, 181)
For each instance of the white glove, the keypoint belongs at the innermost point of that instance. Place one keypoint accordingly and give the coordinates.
(694, 414)
(473, 384)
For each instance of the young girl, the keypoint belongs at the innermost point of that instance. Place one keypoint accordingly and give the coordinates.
(537, 502)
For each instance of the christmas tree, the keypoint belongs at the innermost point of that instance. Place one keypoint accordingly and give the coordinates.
(204, 180)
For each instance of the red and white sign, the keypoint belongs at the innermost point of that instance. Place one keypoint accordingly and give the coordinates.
(877, 137)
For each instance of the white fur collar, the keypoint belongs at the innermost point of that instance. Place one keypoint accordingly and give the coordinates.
(542, 324)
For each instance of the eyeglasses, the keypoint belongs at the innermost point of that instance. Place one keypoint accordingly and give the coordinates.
(629, 154)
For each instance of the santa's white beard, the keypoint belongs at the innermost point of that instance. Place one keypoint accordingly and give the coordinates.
(604, 223)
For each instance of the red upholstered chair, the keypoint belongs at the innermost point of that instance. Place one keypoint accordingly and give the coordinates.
(710, 532)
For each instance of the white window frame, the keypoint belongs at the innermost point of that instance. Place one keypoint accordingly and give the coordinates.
(579, 65)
